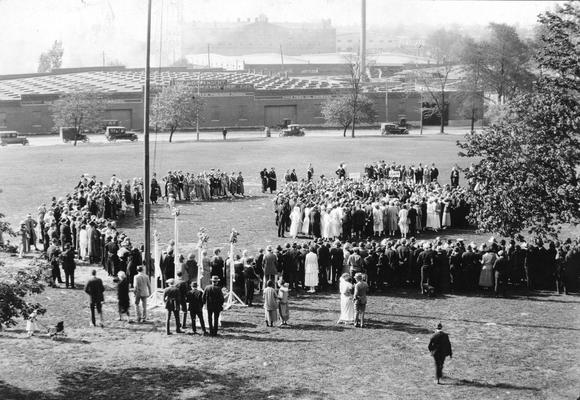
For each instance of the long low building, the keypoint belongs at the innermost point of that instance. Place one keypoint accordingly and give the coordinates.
(238, 99)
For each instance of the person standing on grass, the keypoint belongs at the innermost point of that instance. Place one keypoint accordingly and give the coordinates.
(270, 303)
(283, 302)
(95, 289)
(172, 299)
(214, 302)
(68, 265)
(142, 291)
(440, 347)
(195, 302)
(123, 295)
(360, 300)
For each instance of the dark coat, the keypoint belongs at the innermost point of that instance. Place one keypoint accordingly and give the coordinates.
(213, 298)
(95, 289)
(172, 298)
(195, 300)
(440, 346)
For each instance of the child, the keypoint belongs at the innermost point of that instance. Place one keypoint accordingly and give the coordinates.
(31, 324)
(283, 305)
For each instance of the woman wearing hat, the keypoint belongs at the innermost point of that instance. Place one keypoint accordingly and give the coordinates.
(123, 295)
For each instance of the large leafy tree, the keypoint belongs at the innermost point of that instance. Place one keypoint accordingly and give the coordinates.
(526, 174)
(339, 111)
(176, 106)
(52, 58)
(16, 289)
(506, 69)
(80, 110)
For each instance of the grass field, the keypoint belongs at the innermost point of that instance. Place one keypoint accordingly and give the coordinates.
(516, 348)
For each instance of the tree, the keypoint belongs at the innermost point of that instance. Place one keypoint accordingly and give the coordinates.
(470, 97)
(80, 110)
(176, 106)
(16, 289)
(52, 58)
(526, 176)
(506, 68)
(354, 79)
(444, 48)
(338, 111)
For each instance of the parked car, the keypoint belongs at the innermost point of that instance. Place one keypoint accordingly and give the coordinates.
(12, 137)
(70, 134)
(114, 133)
(293, 130)
(390, 128)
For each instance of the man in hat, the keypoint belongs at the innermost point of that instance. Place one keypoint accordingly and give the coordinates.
(195, 303)
(142, 291)
(440, 347)
(67, 258)
(214, 301)
(270, 265)
(172, 299)
(360, 300)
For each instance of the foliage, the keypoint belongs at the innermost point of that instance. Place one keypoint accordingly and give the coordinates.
(52, 58)
(16, 289)
(470, 96)
(338, 111)
(80, 109)
(506, 69)
(526, 178)
(445, 48)
(355, 80)
(176, 106)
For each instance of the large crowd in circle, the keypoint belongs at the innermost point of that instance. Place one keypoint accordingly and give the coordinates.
(367, 229)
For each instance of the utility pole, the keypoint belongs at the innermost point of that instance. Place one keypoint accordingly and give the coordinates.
(363, 39)
(208, 57)
(387, 99)
(146, 200)
(197, 107)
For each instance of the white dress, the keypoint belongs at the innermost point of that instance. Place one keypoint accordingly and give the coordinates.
(295, 222)
(311, 270)
(431, 223)
(306, 222)
(335, 222)
(325, 225)
(404, 221)
(83, 243)
(377, 220)
(346, 304)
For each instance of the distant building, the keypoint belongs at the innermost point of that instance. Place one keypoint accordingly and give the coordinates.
(258, 36)
(232, 98)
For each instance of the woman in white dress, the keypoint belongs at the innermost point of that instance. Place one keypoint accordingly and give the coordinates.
(404, 221)
(295, 221)
(346, 304)
(83, 242)
(325, 223)
(377, 220)
(306, 222)
(432, 218)
(335, 222)
(447, 213)
(311, 270)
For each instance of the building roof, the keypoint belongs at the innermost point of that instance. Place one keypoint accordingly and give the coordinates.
(121, 80)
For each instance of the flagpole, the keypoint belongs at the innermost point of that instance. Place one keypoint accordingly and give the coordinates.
(146, 200)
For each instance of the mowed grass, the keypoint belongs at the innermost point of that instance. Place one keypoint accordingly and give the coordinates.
(516, 348)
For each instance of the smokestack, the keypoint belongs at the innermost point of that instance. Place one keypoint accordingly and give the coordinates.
(363, 38)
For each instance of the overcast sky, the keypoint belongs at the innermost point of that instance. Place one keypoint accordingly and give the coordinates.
(91, 29)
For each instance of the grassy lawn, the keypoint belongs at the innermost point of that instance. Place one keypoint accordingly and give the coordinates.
(516, 348)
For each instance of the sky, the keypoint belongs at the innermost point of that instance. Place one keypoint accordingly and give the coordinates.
(114, 30)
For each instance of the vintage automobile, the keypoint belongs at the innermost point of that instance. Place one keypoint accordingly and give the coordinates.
(12, 137)
(390, 128)
(70, 134)
(293, 130)
(114, 133)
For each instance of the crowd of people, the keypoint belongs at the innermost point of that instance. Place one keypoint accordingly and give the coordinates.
(387, 201)
(206, 185)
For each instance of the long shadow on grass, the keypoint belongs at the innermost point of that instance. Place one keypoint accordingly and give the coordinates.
(163, 383)
(264, 339)
(469, 382)
(397, 326)
(512, 324)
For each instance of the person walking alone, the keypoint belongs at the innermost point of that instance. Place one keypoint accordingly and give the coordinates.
(95, 289)
(142, 291)
(440, 347)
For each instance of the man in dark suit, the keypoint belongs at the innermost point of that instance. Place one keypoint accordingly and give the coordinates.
(194, 299)
(336, 261)
(440, 347)
(173, 301)
(95, 289)
(323, 264)
(214, 301)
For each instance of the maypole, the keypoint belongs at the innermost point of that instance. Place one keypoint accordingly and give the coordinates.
(203, 238)
(146, 200)
(232, 298)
